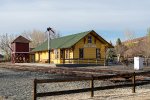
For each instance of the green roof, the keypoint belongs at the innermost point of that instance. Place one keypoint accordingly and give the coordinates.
(62, 42)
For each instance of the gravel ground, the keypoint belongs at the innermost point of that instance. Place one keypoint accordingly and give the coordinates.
(17, 85)
(142, 92)
(112, 94)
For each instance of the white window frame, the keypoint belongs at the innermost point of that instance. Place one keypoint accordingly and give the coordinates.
(56, 53)
(67, 53)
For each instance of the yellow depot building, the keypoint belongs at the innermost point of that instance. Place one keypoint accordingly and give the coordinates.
(82, 48)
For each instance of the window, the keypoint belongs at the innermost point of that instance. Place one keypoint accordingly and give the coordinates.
(89, 39)
(98, 53)
(56, 54)
(67, 54)
(81, 53)
(38, 57)
(61, 53)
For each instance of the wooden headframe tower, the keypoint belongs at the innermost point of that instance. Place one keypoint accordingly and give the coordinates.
(20, 50)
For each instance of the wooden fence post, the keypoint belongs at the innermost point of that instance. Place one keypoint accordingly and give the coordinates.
(34, 89)
(92, 86)
(133, 82)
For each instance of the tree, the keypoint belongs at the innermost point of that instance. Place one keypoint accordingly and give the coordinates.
(37, 37)
(5, 44)
(132, 45)
(134, 50)
(111, 54)
(118, 42)
(120, 49)
(110, 43)
(146, 46)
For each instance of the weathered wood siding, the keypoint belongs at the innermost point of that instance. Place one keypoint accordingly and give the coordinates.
(22, 47)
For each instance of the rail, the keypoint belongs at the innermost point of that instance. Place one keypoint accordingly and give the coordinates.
(91, 88)
(84, 60)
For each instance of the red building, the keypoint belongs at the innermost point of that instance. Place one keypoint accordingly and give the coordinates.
(20, 50)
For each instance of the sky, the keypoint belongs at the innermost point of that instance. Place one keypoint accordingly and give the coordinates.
(109, 18)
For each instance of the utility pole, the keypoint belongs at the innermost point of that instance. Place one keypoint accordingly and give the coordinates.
(49, 43)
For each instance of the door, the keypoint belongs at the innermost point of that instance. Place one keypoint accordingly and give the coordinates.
(81, 53)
